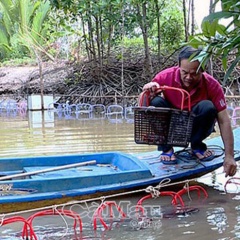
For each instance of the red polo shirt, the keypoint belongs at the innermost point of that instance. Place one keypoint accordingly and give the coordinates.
(207, 89)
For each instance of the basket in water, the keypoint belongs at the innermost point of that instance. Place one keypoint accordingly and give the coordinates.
(158, 126)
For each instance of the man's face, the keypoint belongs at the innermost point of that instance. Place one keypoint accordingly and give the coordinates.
(190, 74)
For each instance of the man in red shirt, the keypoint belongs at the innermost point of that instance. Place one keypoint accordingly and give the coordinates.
(207, 103)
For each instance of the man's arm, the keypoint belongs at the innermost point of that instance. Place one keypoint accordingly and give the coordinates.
(229, 165)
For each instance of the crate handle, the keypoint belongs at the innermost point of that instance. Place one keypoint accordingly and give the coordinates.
(144, 98)
(162, 88)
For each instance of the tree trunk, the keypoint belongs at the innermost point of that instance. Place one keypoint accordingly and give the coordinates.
(39, 60)
(185, 20)
(188, 18)
(193, 17)
(110, 33)
(158, 29)
(85, 37)
(101, 39)
(212, 7)
(98, 38)
(211, 10)
(92, 48)
(91, 40)
(144, 28)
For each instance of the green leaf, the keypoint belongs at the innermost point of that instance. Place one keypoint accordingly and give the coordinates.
(213, 28)
(218, 15)
(195, 41)
(224, 63)
(38, 20)
(230, 69)
(201, 56)
(205, 28)
(209, 29)
(221, 29)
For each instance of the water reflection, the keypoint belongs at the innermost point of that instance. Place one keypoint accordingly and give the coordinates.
(237, 226)
(47, 133)
(39, 119)
(37, 133)
(217, 218)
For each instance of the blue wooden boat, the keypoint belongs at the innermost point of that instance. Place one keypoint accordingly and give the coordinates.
(30, 182)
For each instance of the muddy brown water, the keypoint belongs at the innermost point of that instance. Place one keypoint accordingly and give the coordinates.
(215, 217)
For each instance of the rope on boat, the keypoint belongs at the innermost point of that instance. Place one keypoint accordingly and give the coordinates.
(187, 187)
(28, 230)
(94, 199)
(101, 198)
(154, 193)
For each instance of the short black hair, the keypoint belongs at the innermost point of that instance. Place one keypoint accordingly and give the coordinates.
(188, 52)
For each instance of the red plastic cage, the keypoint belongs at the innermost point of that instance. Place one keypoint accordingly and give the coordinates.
(157, 126)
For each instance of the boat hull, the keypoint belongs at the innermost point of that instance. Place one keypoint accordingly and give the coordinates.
(78, 197)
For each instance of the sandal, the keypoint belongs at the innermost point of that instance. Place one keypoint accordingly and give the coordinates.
(168, 162)
(204, 159)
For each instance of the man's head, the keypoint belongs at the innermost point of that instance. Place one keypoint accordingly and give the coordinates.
(190, 71)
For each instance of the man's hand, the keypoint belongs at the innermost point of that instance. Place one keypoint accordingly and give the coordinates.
(229, 166)
(151, 86)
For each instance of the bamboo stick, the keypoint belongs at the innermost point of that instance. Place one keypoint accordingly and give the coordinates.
(48, 170)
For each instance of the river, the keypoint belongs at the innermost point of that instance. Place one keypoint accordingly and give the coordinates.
(34, 133)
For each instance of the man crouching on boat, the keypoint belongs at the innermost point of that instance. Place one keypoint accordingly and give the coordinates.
(208, 103)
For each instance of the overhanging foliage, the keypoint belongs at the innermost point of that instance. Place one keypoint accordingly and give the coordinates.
(221, 40)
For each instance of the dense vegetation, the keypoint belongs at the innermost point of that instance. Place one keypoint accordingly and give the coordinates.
(111, 40)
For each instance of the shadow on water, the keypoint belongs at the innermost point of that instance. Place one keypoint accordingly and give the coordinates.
(51, 134)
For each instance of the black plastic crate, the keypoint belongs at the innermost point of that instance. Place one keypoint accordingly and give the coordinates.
(157, 126)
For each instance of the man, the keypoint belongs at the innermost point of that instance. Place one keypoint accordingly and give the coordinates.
(208, 104)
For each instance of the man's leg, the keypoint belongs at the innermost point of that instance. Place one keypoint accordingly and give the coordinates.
(203, 125)
(165, 148)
